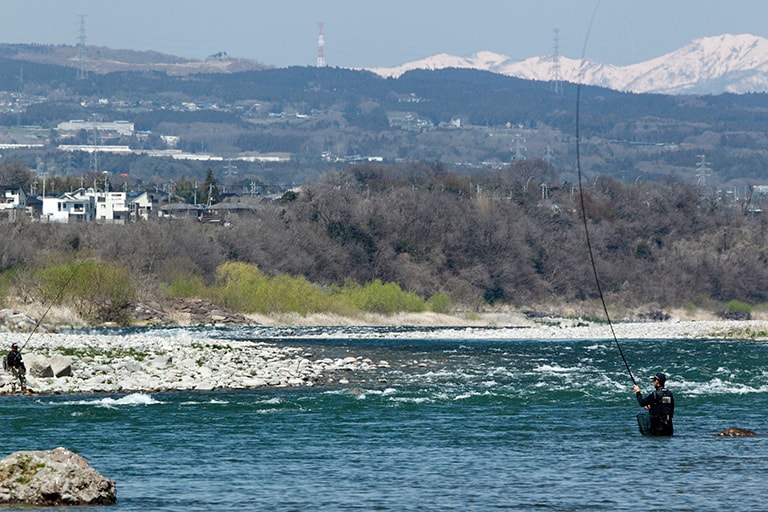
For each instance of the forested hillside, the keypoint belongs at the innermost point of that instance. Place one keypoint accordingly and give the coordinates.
(500, 238)
(321, 116)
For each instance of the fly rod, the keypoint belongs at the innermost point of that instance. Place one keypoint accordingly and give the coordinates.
(581, 198)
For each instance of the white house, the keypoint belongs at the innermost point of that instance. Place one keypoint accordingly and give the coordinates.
(68, 207)
(145, 206)
(111, 207)
(12, 198)
(13, 201)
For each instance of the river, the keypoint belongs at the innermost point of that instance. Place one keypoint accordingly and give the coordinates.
(453, 424)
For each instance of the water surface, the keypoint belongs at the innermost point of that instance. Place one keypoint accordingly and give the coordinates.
(453, 424)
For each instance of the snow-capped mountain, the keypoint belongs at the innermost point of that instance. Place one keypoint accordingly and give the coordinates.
(710, 65)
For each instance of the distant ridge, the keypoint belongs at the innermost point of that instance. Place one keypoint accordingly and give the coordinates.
(710, 65)
(100, 59)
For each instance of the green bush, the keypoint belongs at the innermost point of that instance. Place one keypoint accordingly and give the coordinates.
(439, 303)
(737, 310)
(99, 291)
(242, 287)
(187, 287)
(20, 281)
(377, 297)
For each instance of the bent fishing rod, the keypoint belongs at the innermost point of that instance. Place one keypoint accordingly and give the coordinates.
(581, 199)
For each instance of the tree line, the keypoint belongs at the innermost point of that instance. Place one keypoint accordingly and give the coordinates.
(512, 237)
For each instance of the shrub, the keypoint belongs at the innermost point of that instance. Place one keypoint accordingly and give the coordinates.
(439, 303)
(243, 287)
(377, 297)
(737, 310)
(21, 281)
(99, 291)
(187, 287)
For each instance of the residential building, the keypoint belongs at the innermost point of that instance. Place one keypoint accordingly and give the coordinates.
(146, 206)
(69, 207)
(13, 202)
(111, 207)
(12, 198)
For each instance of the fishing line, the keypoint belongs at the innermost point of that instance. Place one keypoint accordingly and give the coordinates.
(581, 195)
(54, 301)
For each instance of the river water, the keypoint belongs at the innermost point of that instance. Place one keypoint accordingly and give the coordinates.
(455, 423)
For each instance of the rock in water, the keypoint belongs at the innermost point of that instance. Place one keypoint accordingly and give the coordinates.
(53, 477)
(735, 432)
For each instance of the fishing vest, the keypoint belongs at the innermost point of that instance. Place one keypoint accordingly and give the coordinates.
(664, 405)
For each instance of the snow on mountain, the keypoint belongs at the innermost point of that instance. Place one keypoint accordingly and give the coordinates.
(710, 65)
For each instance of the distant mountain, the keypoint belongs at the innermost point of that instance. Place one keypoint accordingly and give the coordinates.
(710, 65)
(100, 59)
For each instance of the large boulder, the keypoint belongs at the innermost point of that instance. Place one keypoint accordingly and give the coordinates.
(53, 477)
(61, 365)
(37, 365)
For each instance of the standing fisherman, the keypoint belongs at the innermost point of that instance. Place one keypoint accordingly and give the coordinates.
(16, 366)
(661, 408)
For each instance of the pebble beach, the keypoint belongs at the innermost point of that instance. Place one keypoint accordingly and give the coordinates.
(167, 361)
(155, 360)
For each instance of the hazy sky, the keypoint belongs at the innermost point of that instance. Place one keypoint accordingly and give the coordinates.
(382, 33)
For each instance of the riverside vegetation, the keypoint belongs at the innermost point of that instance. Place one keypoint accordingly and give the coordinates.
(413, 237)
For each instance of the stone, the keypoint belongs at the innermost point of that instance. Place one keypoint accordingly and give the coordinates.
(37, 365)
(53, 477)
(735, 432)
(161, 362)
(61, 365)
(131, 366)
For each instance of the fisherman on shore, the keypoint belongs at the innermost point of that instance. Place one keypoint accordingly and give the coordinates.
(15, 365)
(661, 408)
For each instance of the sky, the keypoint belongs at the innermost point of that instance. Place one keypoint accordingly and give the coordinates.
(383, 33)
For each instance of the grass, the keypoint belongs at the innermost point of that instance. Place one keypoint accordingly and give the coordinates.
(745, 333)
(108, 354)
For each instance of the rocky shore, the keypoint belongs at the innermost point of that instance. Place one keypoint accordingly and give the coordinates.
(169, 360)
(165, 359)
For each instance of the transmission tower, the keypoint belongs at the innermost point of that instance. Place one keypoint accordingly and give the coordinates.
(82, 73)
(702, 172)
(320, 46)
(95, 141)
(557, 85)
(549, 154)
(21, 96)
(520, 149)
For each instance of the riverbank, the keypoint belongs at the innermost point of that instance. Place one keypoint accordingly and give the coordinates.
(169, 360)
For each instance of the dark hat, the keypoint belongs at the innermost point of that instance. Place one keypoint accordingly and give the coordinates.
(661, 378)
(14, 346)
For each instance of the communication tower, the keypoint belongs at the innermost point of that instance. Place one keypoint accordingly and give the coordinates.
(557, 84)
(320, 46)
(82, 73)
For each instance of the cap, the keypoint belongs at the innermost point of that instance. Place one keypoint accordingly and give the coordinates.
(661, 378)
(14, 346)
